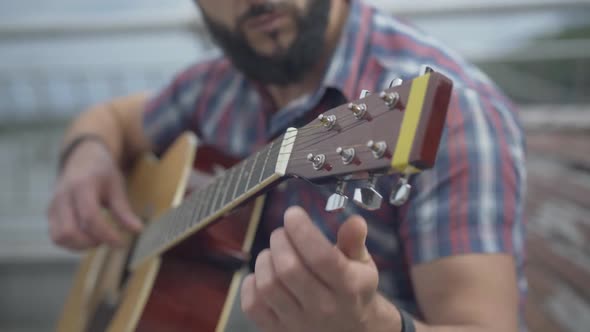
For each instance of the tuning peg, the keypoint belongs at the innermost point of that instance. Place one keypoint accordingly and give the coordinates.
(400, 194)
(378, 148)
(396, 82)
(367, 197)
(359, 110)
(391, 98)
(364, 93)
(426, 69)
(347, 155)
(338, 200)
(329, 121)
(318, 161)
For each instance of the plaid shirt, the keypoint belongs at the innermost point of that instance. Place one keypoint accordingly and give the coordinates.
(471, 202)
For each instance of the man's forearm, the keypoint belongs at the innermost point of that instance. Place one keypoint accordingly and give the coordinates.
(386, 318)
(117, 123)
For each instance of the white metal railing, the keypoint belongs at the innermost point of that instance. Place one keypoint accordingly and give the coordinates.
(27, 93)
(158, 20)
(445, 7)
(37, 90)
(566, 49)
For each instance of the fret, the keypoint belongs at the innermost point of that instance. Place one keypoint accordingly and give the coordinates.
(268, 152)
(245, 176)
(273, 158)
(179, 219)
(209, 192)
(194, 204)
(217, 186)
(167, 223)
(253, 173)
(222, 183)
(164, 225)
(229, 186)
(171, 221)
(239, 179)
(183, 212)
(202, 203)
(197, 201)
(149, 235)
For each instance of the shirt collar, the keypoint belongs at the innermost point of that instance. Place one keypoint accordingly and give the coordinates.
(351, 52)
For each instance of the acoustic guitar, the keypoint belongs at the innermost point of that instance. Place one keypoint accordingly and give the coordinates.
(183, 272)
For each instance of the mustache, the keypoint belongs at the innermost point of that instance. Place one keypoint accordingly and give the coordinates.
(258, 10)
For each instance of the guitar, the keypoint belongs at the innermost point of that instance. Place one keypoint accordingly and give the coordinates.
(183, 272)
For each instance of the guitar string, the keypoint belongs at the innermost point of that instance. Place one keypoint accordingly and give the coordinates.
(304, 131)
(308, 127)
(294, 138)
(346, 117)
(344, 128)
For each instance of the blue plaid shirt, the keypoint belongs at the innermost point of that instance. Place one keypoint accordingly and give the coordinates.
(470, 202)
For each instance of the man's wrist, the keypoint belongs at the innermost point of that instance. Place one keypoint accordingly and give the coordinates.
(407, 322)
(384, 316)
(74, 144)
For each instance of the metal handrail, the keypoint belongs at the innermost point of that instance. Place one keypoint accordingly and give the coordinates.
(51, 26)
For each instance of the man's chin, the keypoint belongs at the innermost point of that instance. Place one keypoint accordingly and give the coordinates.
(271, 45)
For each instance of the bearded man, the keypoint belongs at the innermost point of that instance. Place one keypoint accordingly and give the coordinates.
(450, 259)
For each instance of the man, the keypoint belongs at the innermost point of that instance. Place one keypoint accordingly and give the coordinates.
(451, 257)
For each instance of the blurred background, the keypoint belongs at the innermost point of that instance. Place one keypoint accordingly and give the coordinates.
(57, 57)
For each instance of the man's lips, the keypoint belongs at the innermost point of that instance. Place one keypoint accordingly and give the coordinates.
(265, 22)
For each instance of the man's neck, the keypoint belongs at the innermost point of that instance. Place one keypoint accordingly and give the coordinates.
(283, 95)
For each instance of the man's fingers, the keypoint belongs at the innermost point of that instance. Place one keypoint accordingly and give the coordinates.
(351, 239)
(255, 308)
(321, 257)
(91, 218)
(300, 282)
(272, 290)
(64, 230)
(120, 208)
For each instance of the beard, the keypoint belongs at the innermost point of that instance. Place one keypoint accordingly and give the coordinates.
(291, 64)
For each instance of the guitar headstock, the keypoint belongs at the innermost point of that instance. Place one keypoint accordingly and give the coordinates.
(397, 130)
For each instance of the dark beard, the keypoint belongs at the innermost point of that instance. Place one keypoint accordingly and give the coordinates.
(293, 63)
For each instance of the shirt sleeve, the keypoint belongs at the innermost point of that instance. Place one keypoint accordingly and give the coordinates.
(171, 111)
(472, 200)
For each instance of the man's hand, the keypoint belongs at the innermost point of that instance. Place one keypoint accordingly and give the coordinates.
(305, 283)
(90, 181)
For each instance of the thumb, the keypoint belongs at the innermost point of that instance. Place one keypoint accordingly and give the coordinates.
(351, 239)
(119, 206)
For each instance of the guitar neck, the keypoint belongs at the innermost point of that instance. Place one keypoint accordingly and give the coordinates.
(395, 131)
(239, 183)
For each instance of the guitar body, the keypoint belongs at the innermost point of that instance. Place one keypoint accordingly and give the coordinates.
(191, 287)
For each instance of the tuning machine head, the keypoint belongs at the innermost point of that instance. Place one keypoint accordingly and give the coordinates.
(401, 192)
(347, 154)
(337, 201)
(426, 69)
(364, 93)
(328, 121)
(396, 82)
(368, 197)
(359, 110)
(318, 161)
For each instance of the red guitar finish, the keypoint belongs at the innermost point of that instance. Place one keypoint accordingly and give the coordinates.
(192, 285)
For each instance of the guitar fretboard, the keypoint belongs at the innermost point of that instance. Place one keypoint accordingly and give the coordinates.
(203, 206)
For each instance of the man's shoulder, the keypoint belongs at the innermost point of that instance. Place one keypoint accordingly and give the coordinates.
(402, 48)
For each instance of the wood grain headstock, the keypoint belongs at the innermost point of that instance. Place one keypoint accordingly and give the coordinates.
(397, 130)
